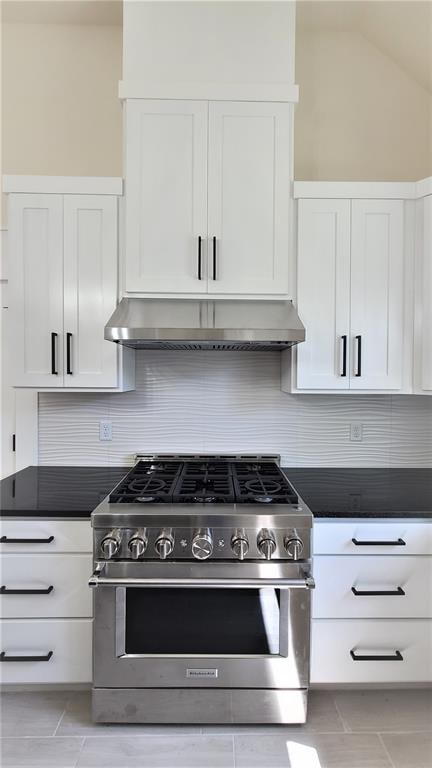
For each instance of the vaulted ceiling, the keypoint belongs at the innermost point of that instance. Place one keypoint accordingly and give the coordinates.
(402, 29)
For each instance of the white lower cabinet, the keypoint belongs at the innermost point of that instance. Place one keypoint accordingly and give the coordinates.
(52, 651)
(37, 586)
(369, 587)
(372, 651)
(45, 601)
(372, 606)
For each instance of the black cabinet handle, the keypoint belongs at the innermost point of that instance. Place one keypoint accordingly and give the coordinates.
(397, 656)
(68, 353)
(397, 543)
(380, 592)
(54, 370)
(359, 355)
(46, 657)
(344, 355)
(199, 257)
(7, 540)
(6, 591)
(214, 259)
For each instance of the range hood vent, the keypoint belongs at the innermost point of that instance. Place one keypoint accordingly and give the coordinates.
(188, 324)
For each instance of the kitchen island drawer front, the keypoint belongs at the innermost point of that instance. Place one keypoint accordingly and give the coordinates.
(40, 536)
(384, 651)
(372, 587)
(55, 651)
(397, 537)
(37, 586)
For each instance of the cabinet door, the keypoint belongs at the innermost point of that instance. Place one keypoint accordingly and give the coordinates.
(166, 188)
(90, 249)
(323, 282)
(426, 299)
(36, 289)
(249, 197)
(377, 306)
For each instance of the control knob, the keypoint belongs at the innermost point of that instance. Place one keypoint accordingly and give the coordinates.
(240, 544)
(293, 546)
(202, 544)
(266, 543)
(164, 543)
(137, 544)
(110, 544)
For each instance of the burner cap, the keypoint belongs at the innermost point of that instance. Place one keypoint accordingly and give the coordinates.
(145, 499)
(205, 499)
(263, 499)
(143, 484)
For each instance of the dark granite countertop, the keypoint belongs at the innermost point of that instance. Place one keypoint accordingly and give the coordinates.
(64, 492)
(364, 492)
(57, 491)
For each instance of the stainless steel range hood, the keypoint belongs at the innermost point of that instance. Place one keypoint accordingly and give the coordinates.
(191, 324)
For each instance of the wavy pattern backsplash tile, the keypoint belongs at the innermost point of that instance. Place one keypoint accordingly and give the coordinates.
(222, 401)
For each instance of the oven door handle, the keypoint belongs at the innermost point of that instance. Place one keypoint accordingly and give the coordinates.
(203, 583)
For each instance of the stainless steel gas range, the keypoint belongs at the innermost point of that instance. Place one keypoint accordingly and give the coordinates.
(202, 590)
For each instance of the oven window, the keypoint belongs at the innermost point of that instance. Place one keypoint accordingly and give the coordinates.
(202, 621)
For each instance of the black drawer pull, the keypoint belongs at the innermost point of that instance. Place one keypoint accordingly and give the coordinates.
(397, 656)
(382, 592)
(397, 543)
(3, 657)
(6, 591)
(7, 540)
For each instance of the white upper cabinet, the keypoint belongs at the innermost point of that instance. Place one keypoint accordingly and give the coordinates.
(63, 289)
(249, 197)
(423, 324)
(207, 197)
(351, 294)
(377, 299)
(90, 289)
(166, 196)
(323, 277)
(36, 288)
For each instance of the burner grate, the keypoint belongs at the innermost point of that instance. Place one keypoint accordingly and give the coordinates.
(212, 481)
(147, 482)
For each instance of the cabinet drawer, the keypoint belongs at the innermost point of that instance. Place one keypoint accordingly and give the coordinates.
(66, 644)
(61, 579)
(45, 536)
(333, 642)
(393, 538)
(409, 579)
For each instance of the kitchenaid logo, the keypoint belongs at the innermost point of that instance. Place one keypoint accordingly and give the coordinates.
(201, 672)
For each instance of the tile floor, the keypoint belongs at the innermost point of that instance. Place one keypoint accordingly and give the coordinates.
(345, 729)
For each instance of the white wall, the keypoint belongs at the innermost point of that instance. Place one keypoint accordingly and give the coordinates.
(228, 401)
(360, 115)
(209, 42)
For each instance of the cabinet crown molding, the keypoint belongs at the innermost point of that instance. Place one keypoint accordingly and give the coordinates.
(209, 91)
(62, 185)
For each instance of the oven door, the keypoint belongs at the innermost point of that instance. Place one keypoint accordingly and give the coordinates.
(244, 625)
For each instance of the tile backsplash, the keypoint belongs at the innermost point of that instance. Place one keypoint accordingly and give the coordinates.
(227, 401)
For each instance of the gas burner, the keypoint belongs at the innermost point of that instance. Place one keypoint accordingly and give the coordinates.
(263, 487)
(263, 499)
(146, 499)
(205, 499)
(150, 484)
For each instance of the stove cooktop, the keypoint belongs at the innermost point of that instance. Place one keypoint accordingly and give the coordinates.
(212, 481)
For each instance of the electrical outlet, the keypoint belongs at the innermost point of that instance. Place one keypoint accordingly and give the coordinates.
(356, 433)
(105, 430)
